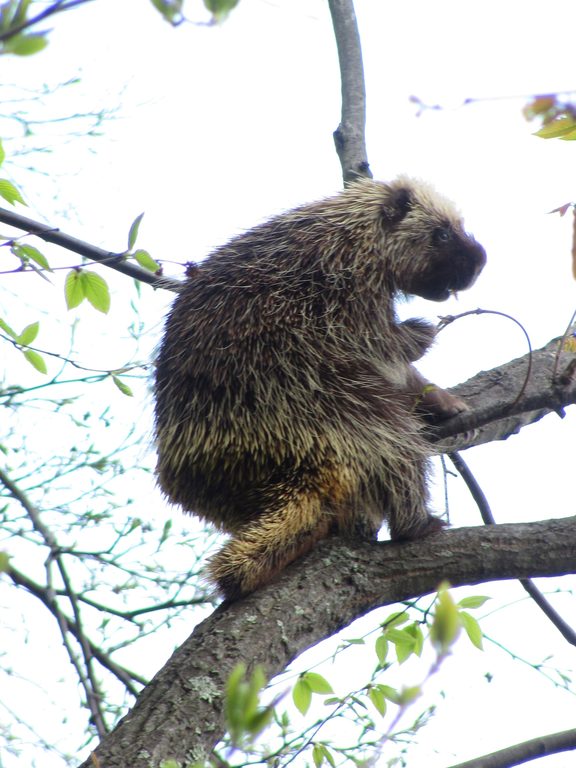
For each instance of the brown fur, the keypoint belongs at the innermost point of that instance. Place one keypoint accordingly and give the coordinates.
(286, 402)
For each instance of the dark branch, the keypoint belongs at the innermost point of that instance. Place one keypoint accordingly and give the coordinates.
(117, 261)
(482, 502)
(317, 596)
(349, 137)
(57, 7)
(551, 744)
(48, 599)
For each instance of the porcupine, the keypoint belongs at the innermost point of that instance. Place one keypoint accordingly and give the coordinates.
(287, 407)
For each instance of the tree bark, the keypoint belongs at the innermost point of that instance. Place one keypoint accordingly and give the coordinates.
(179, 715)
(349, 137)
(542, 746)
(511, 396)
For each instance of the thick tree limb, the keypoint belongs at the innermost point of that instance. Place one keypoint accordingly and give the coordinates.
(117, 261)
(179, 715)
(551, 744)
(496, 410)
(349, 137)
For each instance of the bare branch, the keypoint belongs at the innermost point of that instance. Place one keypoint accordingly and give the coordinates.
(551, 744)
(317, 596)
(349, 137)
(69, 628)
(57, 7)
(125, 676)
(117, 261)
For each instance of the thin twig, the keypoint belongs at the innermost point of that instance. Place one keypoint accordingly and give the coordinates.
(125, 676)
(482, 502)
(88, 682)
(115, 261)
(57, 7)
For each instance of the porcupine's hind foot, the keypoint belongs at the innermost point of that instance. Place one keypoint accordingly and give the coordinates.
(261, 549)
(407, 500)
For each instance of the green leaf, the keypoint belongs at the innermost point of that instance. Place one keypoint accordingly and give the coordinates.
(395, 619)
(20, 12)
(133, 233)
(259, 721)
(7, 329)
(243, 715)
(28, 334)
(381, 647)
(409, 695)
(145, 260)
(415, 631)
(2, 153)
(317, 755)
(122, 386)
(320, 752)
(10, 193)
(171, 10)
(255, 684)
(234, 701)
(472, 629)
(25, 252)
(556, 128)
(302, 696)
(403, 641)
(570, 136)
(74, 289)
(96, 290)
(329, 757)
(26, 45)
(377, 698)
(446, 624)
(36, 360)
(475, 601)
(220, 8)
(390, 693)
(4, 561)
(101, 465)
(317, 683)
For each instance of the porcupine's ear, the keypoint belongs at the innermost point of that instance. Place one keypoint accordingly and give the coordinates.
(396, 205)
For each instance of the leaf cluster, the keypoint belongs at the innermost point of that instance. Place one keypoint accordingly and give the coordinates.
(15, 36)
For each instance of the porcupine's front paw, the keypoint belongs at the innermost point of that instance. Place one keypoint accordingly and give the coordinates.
(438, 404)
(423, 527)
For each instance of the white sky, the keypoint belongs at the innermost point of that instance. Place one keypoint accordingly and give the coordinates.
(219, 128)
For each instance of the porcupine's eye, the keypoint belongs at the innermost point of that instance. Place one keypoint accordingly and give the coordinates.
(442, 235)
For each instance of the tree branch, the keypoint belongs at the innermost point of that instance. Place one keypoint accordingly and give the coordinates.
(349, 137)
(317, 596)
(496, 411)
(542, 746)
(57, 7)
(117, 261)
(48, 599)
(488, 518)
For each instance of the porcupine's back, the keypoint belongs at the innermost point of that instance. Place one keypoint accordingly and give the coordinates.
(249, 381)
